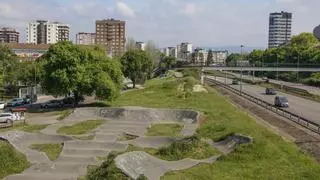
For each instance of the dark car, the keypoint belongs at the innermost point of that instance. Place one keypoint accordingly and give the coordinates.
(15, 102)
(270, 91)
(235, 82)
(281, 101)
(52, 104)
(71, 99)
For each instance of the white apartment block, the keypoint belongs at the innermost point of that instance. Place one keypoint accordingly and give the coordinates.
(141, 46)
(184, 51)
(279, 28)
(171, 51)
(219, 57)
(83, 38)
(200, 56)
(45, 32)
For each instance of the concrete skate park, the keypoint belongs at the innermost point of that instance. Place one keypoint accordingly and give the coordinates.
(77, 154)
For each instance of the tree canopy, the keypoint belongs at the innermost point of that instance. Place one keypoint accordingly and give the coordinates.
(210, 57)
(136, 64)
(80, 70)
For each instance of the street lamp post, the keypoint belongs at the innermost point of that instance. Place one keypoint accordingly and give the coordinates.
(298, 64)
(277, 67)
(241, 70)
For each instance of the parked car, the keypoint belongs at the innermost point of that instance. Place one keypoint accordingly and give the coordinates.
(70, 99)
(235, 82)
(30, 99)
(2, 104)
(6, 118)
(270, 91)
(16, 102)
(52, 104)
(281, 101)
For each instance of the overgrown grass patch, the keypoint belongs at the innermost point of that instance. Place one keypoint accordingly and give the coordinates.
(33, 128)
(52, 150)
(89, 137)
(80, 128)
(191, 147)
(63, 114)
(173, 130)
(269, 157)
(11, 161)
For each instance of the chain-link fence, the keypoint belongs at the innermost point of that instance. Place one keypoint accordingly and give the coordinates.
(36, 90)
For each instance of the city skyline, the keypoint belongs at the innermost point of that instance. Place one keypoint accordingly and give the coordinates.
(168, 22)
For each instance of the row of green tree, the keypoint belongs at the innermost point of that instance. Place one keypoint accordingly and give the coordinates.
(303, 49)
(81, 70)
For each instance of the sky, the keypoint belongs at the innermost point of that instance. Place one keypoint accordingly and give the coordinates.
(204, 23)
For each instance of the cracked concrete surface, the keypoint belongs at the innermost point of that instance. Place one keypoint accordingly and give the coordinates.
(76, 155)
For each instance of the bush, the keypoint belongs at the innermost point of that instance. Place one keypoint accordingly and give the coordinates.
(195, 73)
(191, 147)
(107, 170)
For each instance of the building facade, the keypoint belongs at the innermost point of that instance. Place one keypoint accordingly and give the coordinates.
(141, 46)
(171, 51)
(28, 52)
(111, 34)
(219, 57)
(9, 35)
(279, 28)
(45, 32)
(184, 51)
(83, 38)
(200, 56)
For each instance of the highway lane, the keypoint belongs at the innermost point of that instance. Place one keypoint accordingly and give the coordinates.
(297, 105)
(310, 89)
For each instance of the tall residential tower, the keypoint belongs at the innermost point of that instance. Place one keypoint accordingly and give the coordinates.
(279, 28)
(45, 32)
(111, 34)
(9, 35)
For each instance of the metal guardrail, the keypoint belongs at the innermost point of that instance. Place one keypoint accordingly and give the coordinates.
(284, 113)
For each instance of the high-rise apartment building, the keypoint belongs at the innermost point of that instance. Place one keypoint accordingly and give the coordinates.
(184, 51)
(45, 32)
(141, 45)
(279, 28)
(111, 34)
(86, 38)
(9, 35)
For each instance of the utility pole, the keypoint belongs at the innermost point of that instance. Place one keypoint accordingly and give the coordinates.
(298, 64)
(241, 70)
(277, 68)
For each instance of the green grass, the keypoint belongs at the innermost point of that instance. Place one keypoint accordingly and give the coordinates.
(52, 150)
(33, 128)
(80, 128)
(269, 157)
(165, 130)
(63, 114)
(11, 161)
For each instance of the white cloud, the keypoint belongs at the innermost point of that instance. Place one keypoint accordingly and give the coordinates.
(189, 9)
(124, 9)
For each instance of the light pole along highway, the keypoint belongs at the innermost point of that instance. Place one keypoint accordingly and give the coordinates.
(242, 46)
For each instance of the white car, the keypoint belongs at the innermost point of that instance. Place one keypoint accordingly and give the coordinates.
(2, 104)
(6, 118)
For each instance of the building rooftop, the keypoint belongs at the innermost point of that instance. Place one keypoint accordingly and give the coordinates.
(28, 46)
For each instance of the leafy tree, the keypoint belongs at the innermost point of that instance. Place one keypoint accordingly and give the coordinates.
(82, 71)
(136, 64)
(168, 61)
(210, 57)
(304, 40)
(9, 66)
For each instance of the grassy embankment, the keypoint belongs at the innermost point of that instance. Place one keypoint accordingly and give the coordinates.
(80, 128)
(52, 150)
(11, 161)
(269, 157)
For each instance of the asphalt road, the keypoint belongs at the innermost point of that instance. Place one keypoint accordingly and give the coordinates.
(310, 89)
(297, 105)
